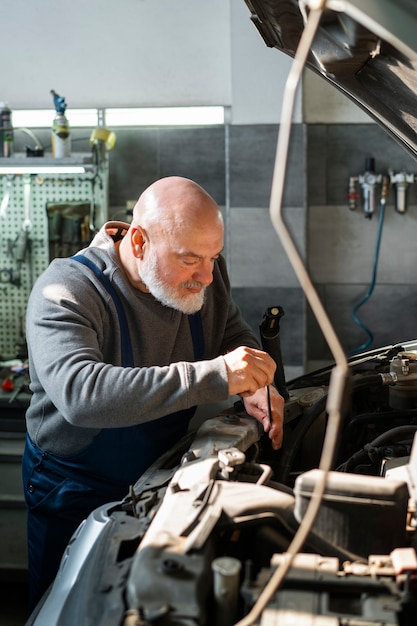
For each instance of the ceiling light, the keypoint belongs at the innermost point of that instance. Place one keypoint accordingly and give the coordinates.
(43, 118)
(123, 117)
(165, 116)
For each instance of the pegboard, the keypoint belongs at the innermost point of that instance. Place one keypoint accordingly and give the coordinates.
(24, 234)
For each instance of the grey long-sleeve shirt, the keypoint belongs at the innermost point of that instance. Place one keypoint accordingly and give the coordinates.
(78, 383)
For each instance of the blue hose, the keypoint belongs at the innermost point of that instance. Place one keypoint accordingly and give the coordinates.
(366, 345)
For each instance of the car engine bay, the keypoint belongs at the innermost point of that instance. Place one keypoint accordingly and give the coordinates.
(202, 532)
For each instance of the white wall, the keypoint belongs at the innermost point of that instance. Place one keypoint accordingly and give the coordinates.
(323, 104)
(102, 53)
(259, 73)
(140, 53)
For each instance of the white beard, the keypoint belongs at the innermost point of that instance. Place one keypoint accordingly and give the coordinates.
(167, 295)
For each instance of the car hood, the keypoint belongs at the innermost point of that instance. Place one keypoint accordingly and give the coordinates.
(366, 48)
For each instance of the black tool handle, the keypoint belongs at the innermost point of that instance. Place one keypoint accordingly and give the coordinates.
(271, 343)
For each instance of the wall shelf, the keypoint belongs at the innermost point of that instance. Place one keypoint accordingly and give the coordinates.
(21, 164)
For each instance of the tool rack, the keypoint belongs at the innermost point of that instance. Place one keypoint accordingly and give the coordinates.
(27, 188)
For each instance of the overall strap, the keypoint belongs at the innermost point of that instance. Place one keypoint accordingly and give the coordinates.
(194, 320)
(197, 335)
(126, 347)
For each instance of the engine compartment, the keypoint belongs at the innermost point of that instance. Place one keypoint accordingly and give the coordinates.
(202, 533)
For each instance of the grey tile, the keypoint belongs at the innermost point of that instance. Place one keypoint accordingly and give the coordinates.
(252, 151)
(381, 318)
(253, 302)
(133, 164)
(252, 159)
(316, 345)
(295, 182)
(316, 163)
(196, 153)
(342, 246)
(257, 256)
(143, 155)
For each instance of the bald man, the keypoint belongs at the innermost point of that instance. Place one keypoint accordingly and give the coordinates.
(125, 339)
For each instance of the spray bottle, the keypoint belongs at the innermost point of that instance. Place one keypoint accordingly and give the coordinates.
(61, 139)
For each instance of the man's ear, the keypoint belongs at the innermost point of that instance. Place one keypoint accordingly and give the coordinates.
(137, 240)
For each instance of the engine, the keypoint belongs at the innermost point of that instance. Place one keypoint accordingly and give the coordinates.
(203, 534)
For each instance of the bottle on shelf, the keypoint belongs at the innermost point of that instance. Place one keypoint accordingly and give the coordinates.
(6, 131)
(61, 138)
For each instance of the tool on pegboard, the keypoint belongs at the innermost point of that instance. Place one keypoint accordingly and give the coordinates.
(20, 247)
(6, 196)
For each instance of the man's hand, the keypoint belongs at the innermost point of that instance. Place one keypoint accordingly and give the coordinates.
(248, 370)
(257, 406)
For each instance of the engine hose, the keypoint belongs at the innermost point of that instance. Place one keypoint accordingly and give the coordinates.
(307, 420)
(377, 418)
(291, 448)
(388, 437)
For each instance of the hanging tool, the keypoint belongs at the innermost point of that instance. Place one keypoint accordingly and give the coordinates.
(92, 206)
(6, 275)
(22, 243)
(55, 227)
(27, 191)
(6, 197)
(20, 247)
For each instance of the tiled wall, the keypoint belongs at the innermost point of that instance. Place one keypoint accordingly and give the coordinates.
(342, 243)
(235, 164)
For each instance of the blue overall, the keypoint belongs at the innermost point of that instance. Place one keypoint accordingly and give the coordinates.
(61, 491)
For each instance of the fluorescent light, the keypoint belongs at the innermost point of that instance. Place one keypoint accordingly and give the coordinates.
(43, 169)
(124, 117)
(165, 116)
(82, 117)
(43, 118)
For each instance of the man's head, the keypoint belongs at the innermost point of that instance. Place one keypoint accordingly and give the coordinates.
(174, 239)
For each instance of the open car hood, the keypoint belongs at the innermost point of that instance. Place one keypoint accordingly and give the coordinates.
(365, 48)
